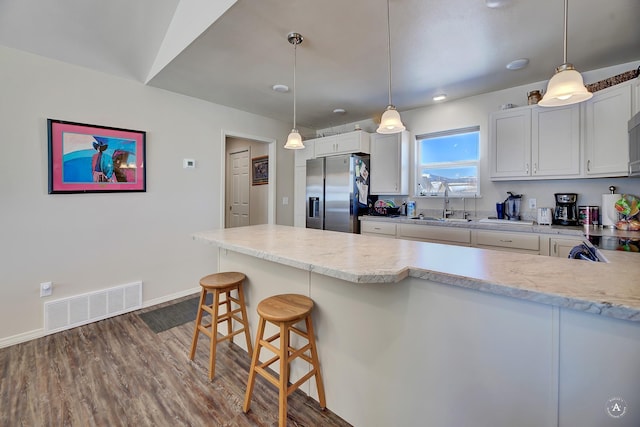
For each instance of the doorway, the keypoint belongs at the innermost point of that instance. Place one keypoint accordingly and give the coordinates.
(247, 201)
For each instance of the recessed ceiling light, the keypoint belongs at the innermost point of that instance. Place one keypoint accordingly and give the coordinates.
(493, 4)
(440, 97)
(339, 111)
(518, 64)
(281, 88)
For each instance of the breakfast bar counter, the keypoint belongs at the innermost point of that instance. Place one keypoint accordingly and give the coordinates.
(412, 333)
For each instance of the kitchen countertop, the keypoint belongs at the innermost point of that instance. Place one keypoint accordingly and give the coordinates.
(507, 226)
(608, 289)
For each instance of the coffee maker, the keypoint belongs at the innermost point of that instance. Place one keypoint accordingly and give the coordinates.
(566, 212)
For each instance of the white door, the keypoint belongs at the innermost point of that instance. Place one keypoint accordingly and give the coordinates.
(239, 189)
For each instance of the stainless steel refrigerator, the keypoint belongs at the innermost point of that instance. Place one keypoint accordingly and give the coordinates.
(337, 192)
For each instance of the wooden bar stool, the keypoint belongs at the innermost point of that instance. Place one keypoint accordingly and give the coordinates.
(220, 284)
(284, 311)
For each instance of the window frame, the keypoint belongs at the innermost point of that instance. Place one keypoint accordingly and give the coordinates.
(419, 167)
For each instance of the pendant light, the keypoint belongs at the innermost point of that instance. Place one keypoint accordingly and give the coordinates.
(294, 140)
(566, 86)
(390, 121)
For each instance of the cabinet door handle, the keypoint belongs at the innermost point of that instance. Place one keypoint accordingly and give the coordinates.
(535, 168)
(527, 169)
(588, 165)
(555, 248)
(506, 241)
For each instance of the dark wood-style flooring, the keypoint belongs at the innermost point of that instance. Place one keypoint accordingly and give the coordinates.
(118, 372)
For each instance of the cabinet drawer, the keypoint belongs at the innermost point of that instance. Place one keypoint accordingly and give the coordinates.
(372, 227)
(434, 233)
(530, 242)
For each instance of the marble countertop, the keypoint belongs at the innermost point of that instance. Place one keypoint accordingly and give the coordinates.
(610, 289)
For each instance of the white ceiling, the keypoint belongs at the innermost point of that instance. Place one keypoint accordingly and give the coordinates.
(232, 52)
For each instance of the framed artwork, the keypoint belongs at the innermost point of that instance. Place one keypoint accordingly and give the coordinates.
(260, 170)
(95, 159)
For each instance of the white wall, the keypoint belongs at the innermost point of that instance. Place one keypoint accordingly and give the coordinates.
(85, 242)
(475, 111)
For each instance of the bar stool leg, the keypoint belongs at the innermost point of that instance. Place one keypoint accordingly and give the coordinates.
(213, 342)
(316, 362)
(227, 304)
(245, 319)
(284, 374)
(196, 332)
(252, 368)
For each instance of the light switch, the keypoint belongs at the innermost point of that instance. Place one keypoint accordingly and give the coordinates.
(532, 203)
(285, 200)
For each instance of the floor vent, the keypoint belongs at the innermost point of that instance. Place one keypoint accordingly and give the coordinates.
(79, 310)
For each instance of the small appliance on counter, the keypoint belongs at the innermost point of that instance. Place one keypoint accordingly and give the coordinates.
(512, 206)
(566, 212)
(544, 216)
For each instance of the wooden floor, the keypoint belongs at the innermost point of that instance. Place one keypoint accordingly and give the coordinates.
(117, 372)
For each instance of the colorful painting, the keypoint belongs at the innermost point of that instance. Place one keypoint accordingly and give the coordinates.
(95, 159)
(260, 170)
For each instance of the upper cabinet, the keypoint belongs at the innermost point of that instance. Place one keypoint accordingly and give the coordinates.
(390, 164)
(583, 140)
(345, 143)
(606, 116)
(535, 142)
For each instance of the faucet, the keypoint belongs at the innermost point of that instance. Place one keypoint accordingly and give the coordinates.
(445, 209)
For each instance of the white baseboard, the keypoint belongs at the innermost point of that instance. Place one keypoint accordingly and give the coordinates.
(170, 297)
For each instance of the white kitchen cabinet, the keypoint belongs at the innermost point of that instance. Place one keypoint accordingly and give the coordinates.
(345, 143)
(389, 164)
(535, 143)
(555, 141)
(606, 134)
(378, 228)
(510, 143)
(300, 183)
(560, 247)
(435, 234)
(508, 241)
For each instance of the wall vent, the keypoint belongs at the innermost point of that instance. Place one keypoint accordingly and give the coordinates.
(67, 313)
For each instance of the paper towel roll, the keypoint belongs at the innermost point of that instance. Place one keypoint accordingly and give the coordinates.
(608, 211)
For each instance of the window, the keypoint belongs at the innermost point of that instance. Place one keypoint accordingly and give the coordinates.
(449, 161)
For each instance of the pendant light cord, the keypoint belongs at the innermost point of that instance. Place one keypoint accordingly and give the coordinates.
(389, 48)
(295, 49)
(566, 21)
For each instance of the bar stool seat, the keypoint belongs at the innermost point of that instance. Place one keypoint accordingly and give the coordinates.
(221, 284)
(285, 311)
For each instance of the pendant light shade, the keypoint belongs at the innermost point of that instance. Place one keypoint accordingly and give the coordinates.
(566, 87)
(390, 121)
(294, 140)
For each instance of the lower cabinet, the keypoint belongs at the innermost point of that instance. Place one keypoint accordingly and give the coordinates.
(560, 247)
(523, 242)
(435, 234)
(380, 229)
(507, 241)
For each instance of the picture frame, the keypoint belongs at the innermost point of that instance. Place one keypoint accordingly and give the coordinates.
(260, 170)
(85, 158)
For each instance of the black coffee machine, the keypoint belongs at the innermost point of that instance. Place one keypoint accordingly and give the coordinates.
(566, 211)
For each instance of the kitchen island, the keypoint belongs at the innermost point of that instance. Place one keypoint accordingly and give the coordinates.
(413, 333)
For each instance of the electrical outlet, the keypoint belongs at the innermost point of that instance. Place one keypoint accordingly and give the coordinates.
(46, 289)
(532, 203)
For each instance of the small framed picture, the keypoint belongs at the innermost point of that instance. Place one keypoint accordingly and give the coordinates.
(87, 158)
(260, 170)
